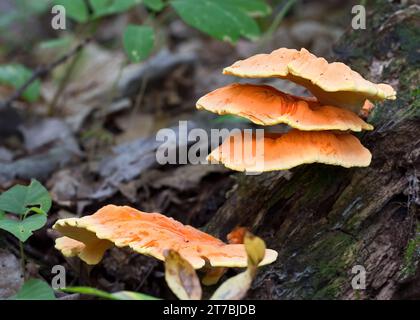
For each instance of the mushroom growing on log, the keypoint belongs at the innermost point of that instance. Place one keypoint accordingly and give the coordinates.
(265, 105)
(325, 220)
(149, 234)
(330, 83)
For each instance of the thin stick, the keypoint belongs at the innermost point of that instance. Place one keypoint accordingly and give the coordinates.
(277, 20)
(279, 17)
(41, 72)
(139, 99)
(63, 83)
(22, 258)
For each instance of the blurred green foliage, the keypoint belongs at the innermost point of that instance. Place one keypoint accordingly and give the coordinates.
(35, 289)
(222, 19)
(21, 201)
(15, 75)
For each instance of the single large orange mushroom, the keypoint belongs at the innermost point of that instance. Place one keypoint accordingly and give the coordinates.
(265, 105)
(146, 233)
(285, 151)
(331, 83)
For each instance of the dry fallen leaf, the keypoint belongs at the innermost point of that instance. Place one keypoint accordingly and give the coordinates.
(213, 275)
(255, 249)
(181, 277)
(236, 287)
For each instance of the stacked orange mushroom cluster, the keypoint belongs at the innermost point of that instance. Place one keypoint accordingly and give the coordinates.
(321, 123)
(146, 233)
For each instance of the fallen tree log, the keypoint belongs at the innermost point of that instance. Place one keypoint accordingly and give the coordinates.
(325, 220)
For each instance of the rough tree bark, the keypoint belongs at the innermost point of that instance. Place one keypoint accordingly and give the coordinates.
(323, 220)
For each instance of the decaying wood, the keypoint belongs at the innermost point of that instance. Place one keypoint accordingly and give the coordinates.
(324, 220)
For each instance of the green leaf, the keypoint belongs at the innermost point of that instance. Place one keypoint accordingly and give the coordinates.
(34, 7)
(121, 295)
(23, 9)
(63, 42)
(221, 19)
(90, 291)
(75, 9)
(107, 7)
(254, 8)
(22, 229)
(20, 199)
(138, 42)
(155, 5)
(35, 289)
(130, 295)
(181, 277)
(16, 75)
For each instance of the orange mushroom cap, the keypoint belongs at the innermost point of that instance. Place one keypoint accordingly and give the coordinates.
(285, 151)
(366, 109)
(237, 235)
(149, 234)
(69, 247)
(264, 105)
(332, 83)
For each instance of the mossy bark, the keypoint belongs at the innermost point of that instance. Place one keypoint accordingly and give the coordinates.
(324, 220)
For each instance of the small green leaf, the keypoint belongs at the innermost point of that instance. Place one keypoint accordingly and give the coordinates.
(16, 75)
(138, 42)
(35, 7)
(23, 9)
(90, 291)
(222, 19)
(108, 7)
(35, 289)
(181, 277)
(121, 295)
(75, 9)
(23, 229)
(19, 199)
(63, 42)
(130, 295)
(155, 5)
(254, 8)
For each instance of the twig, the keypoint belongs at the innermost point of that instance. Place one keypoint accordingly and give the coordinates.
(42, 72)
(22, 258)
(63, 83)
(277, 20)
(279, 17)
(139, 99)
(112, 93)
